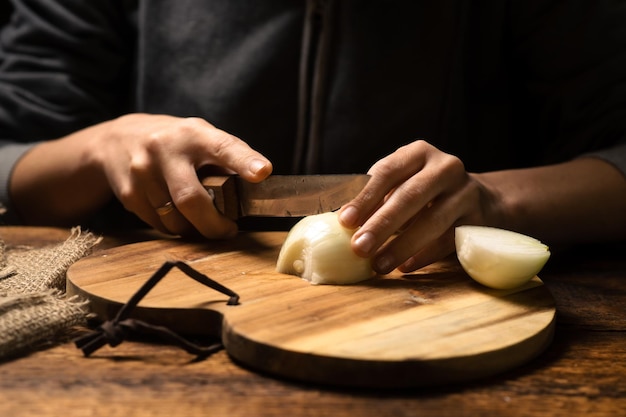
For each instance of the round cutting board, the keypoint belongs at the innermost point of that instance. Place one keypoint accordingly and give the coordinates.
(431, 327)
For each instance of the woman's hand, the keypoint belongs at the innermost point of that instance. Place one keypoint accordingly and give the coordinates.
(149, 162)
(419, 194)
(152, 161)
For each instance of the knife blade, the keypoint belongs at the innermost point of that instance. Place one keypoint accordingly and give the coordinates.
(283, 195)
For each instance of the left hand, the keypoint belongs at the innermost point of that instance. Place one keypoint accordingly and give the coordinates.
(419, 194)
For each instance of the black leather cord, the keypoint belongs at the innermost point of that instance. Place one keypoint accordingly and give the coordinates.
(113, 332)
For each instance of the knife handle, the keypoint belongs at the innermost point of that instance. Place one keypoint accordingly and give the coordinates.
(223, 189)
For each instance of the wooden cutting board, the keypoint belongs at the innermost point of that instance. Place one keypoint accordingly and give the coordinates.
(435, 326)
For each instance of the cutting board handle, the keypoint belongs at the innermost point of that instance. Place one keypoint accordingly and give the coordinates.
(114, 331)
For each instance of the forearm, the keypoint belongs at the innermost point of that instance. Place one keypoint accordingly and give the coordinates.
(58, 182)
(583, 200)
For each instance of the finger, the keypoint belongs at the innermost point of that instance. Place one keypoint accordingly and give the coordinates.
(195, 204)
(173, 221)
(417, 244)
(131, 192)
(385, 176)
(163, 216)
(442, 174)
(399, 208)
(148, 214)
(157, 207)
(435, 251)
(231, 153)
(428, 236)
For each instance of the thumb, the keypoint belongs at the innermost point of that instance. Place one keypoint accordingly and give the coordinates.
(257, 169)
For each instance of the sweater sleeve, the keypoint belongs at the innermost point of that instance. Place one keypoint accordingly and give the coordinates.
(10, 152)
(615, 155)
(64, 65)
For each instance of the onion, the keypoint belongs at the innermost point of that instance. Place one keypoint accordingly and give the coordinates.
(499, 258)
(318, 249)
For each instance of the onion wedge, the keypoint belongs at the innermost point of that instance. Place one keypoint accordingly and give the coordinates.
(499, 258)
(318, 249)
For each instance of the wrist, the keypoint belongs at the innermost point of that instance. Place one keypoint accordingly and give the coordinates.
(58, 182)
(499, 203)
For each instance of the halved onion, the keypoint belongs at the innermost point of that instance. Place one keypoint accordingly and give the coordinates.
(318, 249)
(499, 258)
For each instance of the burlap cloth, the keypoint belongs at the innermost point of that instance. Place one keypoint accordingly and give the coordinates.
(34, 309)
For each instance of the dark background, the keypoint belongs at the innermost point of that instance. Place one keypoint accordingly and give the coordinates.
(5, 11)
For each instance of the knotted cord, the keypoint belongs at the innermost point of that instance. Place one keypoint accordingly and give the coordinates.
(113, 332)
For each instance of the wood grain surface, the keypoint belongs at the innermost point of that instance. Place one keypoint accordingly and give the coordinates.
(436, 326)
(582, 373)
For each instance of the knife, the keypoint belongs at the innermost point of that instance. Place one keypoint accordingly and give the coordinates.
(283, 195)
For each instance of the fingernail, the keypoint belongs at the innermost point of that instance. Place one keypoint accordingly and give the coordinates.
(383, 264)
(257, 165)
(349, 216)
(365, 243)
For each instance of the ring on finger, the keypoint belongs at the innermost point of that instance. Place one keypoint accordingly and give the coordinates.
(165, 209)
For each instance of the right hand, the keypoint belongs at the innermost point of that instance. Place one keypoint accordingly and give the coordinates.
(150, 160)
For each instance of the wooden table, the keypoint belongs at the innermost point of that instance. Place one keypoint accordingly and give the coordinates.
(582, 373)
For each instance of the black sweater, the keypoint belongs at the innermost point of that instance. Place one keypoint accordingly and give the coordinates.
(501, 84)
